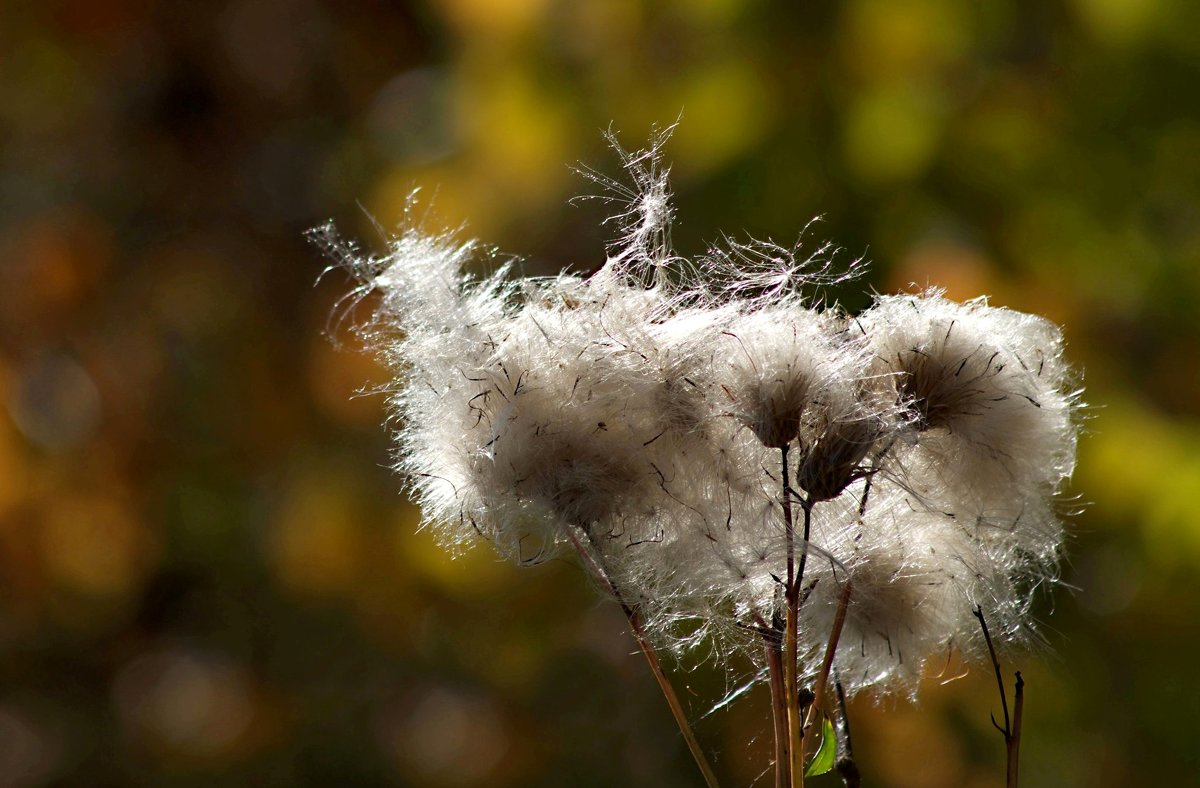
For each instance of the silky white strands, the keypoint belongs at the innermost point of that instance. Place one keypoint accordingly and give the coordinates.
(687, 423)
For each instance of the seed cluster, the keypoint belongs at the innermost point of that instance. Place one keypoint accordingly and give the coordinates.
(666, 412)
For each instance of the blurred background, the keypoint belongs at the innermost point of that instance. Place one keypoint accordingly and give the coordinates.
(207, 573)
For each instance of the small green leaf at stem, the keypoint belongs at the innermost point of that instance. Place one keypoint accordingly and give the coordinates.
(826, 753)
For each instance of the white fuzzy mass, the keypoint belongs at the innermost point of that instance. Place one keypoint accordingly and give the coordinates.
(651, 406)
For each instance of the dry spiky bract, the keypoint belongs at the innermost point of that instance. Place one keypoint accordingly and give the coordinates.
(685, 423)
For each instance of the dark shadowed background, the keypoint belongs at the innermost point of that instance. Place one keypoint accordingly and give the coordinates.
(207, 574)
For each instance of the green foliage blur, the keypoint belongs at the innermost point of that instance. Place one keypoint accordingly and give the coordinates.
(207, 573)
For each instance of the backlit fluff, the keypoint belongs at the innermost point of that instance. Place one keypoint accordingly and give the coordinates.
(646, 410)
(989, 411)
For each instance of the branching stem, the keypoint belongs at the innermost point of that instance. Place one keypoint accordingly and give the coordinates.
(791, 656)
(1014, 741)
(1012, 728)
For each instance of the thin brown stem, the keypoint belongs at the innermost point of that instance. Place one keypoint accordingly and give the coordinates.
(596, 567)
(710, 779)
(791, 640)
(807, 506)
(792, 698)
(795, 721)
(846, 765)
(835, 634)
(774, 652)
(791, 586)
(1012, 728)
(1014, 741)
(870, 476)
(987, 637)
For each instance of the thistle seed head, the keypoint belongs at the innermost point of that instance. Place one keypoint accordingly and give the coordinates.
(648, 405)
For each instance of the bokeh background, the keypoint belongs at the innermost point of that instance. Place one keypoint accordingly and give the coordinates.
(207, 574)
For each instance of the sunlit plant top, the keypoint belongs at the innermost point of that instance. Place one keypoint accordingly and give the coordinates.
(839, 498)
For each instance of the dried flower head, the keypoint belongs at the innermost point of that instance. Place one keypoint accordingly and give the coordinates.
(725, 450)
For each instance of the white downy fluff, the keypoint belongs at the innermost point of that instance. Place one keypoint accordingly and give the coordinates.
(646, 408)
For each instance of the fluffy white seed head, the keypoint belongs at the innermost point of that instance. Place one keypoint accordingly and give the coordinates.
(984, 388)
(784, 365)
(990, 411)
(649, 408)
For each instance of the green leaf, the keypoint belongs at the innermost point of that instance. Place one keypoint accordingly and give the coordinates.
(826, 753)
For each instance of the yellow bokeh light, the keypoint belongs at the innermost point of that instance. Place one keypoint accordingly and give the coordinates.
(886, 40)
(1119, 22)
(725, 111)
(316, 542)
(892, 133)
(95, 544)
(465, 573)
(494, 18)
(1141, 469)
